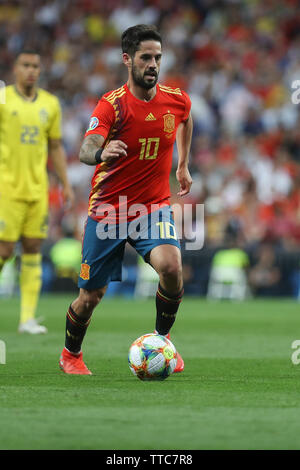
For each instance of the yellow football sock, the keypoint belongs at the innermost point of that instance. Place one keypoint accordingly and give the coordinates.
(30, 284)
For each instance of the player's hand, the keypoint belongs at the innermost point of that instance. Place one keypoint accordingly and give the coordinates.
(185, 180)
(115, 149)
(69, 197)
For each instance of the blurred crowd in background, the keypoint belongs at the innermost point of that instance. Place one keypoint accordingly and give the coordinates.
(238, 61)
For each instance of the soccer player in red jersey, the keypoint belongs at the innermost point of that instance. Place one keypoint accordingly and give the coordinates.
(130, 140)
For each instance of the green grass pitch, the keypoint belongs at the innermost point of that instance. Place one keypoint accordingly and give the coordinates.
(239, 390)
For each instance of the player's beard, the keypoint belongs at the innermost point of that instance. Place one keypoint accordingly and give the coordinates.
(141, 81)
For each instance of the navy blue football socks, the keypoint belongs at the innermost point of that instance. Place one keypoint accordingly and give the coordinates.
(166, 309)
(75, 331)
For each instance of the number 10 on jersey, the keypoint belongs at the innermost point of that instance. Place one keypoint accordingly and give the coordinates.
(149, 148)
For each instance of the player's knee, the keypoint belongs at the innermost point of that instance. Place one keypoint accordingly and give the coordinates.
(5, 256)
(6, 250)
(31, 246)
(91, 299)
(171, 270)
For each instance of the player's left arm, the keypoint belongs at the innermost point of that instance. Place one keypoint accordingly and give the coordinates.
(59, 160)
(183, 141)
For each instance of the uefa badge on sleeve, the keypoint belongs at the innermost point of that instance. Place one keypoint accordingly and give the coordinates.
(94, 122)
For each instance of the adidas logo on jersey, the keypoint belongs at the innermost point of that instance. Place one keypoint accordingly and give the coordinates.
(150, 117)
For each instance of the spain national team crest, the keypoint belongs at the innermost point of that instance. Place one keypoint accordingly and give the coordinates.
(85, 272)
(169, 123)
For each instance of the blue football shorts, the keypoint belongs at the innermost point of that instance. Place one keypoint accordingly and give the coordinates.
(104, 244)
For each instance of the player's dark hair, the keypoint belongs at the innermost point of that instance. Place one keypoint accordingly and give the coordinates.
(133, 36)
(26, 51)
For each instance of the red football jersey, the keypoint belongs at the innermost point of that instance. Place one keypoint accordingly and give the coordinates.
(149, 130)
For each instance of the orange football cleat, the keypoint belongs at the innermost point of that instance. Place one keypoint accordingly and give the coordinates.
(73, 363)
(180, 362)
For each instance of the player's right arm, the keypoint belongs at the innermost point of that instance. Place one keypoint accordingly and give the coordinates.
(101, 123)
(93, 142)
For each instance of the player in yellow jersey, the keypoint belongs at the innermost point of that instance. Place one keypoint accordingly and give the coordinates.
(30, 127)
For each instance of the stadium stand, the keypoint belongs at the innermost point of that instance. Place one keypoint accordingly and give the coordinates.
(238, 60)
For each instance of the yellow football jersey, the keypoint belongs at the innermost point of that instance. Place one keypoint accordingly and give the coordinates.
(25, 127)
